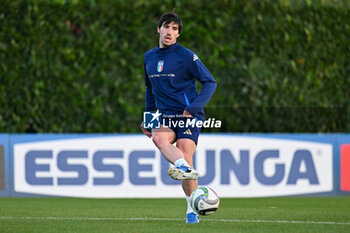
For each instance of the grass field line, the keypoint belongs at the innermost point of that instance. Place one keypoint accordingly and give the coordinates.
(171, 219)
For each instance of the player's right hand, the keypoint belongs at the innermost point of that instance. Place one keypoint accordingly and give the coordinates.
(145, 131)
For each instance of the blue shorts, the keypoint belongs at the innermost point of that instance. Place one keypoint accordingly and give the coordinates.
(183, 131)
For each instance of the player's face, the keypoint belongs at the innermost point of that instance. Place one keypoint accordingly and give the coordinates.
(168, 33)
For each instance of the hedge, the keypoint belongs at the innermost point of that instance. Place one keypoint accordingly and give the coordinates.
(76, 66)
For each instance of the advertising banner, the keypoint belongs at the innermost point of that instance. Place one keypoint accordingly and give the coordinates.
(113, 166)
(4, 167)
(345, 163)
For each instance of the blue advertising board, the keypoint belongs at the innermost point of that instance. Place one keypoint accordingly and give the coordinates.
(4, 165)
(129, 165)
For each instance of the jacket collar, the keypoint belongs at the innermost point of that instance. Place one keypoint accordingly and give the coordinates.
(167, 49)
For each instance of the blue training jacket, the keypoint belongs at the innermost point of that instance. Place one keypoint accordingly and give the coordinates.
(170, 75)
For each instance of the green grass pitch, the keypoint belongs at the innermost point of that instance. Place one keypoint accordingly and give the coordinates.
(282, 214)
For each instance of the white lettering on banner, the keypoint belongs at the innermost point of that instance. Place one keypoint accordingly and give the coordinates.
(258, 167)
(130, 166)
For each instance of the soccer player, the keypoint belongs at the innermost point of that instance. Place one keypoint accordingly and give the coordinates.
(170, 76)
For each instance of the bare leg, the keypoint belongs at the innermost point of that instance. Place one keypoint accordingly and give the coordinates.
(188, 147)
(164, 138)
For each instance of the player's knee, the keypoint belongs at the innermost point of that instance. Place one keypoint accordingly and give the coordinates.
(159, 141)
(187, 145)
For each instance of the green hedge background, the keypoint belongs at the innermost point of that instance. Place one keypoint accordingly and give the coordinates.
(76, 66)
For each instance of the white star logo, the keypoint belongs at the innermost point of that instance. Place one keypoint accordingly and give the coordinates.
(156, 115)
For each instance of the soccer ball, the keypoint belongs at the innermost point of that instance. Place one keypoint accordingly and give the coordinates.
(204, 201)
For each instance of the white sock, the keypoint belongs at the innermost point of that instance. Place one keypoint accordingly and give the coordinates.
(189, 207)
(180, 162)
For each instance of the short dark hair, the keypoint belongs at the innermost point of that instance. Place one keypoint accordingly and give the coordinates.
(170, 17)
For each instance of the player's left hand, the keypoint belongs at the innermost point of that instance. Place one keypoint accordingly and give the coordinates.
(187, 114)
(145, 131)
